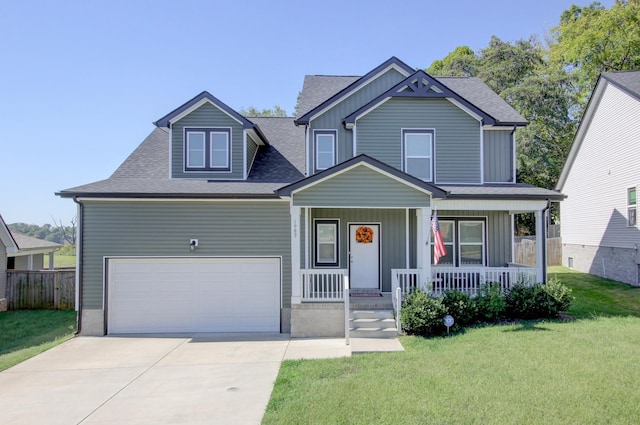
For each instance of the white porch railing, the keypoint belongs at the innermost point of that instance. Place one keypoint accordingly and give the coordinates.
(323, 285)
(465, 279)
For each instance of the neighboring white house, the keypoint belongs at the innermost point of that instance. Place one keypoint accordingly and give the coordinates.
(31, 252)
(7, 246)
(601, 179)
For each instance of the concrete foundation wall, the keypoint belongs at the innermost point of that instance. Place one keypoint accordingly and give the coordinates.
(3, 304)
(92, 323)
(317, 320)
(613, 263)
(285, 321)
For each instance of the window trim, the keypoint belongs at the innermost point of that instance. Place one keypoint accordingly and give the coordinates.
(483, 244)
(633, 207)
(208, 149)
(188, 150)
(336, 249)
(334, 134)
(456, 240)
(432, 136)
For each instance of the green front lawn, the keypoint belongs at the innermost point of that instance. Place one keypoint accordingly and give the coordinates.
(579, 372)
(25, 333)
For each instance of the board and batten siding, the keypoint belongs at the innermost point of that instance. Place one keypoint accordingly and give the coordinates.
(207, 115)
(224, 228)
(498, 233)
(392, 230)
(332, 118)
(457, 136)
(361, 187)
(498, 156)
(606, 165)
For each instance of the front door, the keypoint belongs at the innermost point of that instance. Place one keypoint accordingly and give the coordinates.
(364, 256)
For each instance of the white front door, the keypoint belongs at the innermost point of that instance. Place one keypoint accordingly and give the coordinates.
(364, 256)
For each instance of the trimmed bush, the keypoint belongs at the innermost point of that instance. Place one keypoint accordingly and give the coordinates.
(491, 303)
(539, 301)
(421, 314)
(560, 296)
(461, 307)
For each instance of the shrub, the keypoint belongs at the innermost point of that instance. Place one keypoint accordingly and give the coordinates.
(491, 303)
(461, 307)
(421, 314)
(560, 297)
(527, 302)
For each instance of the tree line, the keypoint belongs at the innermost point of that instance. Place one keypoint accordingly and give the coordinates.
(64, 234)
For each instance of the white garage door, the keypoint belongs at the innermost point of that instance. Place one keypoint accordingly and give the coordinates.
(160, 295)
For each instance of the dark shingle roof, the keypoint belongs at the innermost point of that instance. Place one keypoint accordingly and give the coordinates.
(628, 80)
(501, 191)
(318, 88)
(146, 171)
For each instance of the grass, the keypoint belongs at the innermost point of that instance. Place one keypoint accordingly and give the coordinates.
(25, 333)
(60, 261)
(579, 372)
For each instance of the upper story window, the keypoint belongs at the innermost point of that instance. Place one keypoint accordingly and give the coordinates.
(325, 149)
(417, 152)
(207, 149)
(631, 207)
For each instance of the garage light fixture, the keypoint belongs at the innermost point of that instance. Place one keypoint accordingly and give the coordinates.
(193, 243)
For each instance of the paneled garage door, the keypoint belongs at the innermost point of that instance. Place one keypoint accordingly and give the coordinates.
(161, 295)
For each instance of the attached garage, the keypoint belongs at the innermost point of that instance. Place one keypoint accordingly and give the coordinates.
(194, 294)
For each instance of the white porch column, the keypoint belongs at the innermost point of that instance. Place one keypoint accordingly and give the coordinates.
(51, 267)
(423, 250)
(540, 241)
(296, 284)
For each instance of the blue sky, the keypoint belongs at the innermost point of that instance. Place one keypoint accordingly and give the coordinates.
(82, 81)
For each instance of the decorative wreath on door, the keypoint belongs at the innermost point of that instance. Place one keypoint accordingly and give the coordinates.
(364, 234)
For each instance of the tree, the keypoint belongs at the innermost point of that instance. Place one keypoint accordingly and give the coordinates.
(68, 232)
(461, 62)
(592, 39)
(276, 111)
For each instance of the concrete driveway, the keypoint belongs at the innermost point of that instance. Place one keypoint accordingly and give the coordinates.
(193, 379)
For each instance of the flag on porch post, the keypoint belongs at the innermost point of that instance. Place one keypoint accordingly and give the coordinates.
(438, 243)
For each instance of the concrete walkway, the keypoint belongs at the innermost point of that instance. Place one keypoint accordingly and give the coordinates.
(181, 379)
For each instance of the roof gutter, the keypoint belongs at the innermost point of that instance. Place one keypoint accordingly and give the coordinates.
(79, 262)
(544, 240)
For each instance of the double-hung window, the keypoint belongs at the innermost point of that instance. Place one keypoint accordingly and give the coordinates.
(326, 236)
(207, 149)
(465, 242)
(631, 207)
(325, 149)
(417, 152)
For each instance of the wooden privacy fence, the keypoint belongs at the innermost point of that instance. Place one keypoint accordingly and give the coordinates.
(525, 252)
(50, 289)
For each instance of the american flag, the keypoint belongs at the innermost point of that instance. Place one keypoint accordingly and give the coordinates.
(438, 243)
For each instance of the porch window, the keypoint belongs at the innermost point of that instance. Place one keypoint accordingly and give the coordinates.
(325, 149)
(631, 206)
(465, 241)
(418, 153)
(326, 236)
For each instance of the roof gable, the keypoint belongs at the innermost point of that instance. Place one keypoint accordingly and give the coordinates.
(421, 85)
(362, 160)
(392, 62)
(7, 239)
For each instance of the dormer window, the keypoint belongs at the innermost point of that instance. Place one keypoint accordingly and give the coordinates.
(207, 149)
(325, 149)
(417, 151)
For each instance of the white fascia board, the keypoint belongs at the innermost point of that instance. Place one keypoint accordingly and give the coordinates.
(196, 106)
(371, 167)
(511, 205)
(106, 200)
(35, 251)
(341, 98)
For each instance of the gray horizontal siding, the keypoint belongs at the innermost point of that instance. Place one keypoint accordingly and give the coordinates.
(332, 119)
(361, 187)
(252, 148)
(165, 228)
(207, 116)
(498, 156)
(457, 139)
(392, 230)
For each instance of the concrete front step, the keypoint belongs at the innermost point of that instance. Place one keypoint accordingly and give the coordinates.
(372, 324)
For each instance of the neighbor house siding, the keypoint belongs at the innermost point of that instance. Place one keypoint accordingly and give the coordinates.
(3, 270)
(234, 228)
(457, 136)
(498, 156)
(252, 148)
(332, 119)
(207, 116)
(595, 211)
(392, 234)
(361, 187)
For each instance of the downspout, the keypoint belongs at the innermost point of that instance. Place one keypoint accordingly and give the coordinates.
(545, 221)
(79, 260)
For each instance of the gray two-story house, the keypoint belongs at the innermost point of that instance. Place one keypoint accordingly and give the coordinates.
(222, 223)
